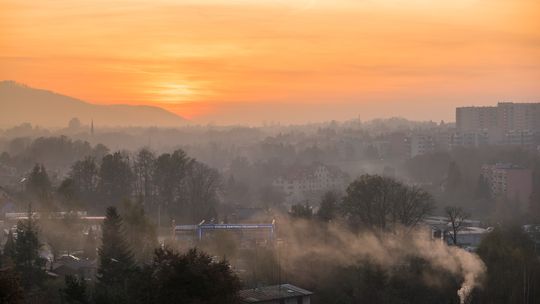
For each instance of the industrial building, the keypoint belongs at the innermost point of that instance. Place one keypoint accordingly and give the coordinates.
(247, 233)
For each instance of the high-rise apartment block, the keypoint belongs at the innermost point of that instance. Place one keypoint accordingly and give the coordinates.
(473, 119)
(507, 123)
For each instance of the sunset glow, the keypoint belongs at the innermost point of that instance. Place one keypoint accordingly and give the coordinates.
(228, 61)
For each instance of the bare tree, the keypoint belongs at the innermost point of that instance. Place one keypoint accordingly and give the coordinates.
(382, 203)
(202, 186)
(411, 206)
(457, 217)
(144, 168)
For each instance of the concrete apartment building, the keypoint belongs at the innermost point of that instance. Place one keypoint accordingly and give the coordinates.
(508, 123)
(518, 116)
(475, 139)
(473, 119)
(509, 181)
(420, 144)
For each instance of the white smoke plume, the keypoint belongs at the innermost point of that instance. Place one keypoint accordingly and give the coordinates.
(337, 245)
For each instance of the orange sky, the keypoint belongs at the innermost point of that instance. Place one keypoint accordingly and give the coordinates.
(248, 61)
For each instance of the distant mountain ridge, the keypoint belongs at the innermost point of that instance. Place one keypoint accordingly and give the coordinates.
(20, 103)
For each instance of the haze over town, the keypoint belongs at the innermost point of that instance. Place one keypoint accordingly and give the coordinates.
(269, 152)
(229, 62)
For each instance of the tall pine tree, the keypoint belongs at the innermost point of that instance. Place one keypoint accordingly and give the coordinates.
(140, 232)
(75, 290)
(9, 253)
(27, 260)
(39, 185)
(116, 263)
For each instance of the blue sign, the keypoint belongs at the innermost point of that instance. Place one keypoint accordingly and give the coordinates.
(237, 226)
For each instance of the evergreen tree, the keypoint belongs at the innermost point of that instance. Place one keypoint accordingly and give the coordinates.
(328, 208)
(192, 278)
(140, 232)
(68, 193)
(27, 259)
(9, 253)
(39, 184)
(513, 268)
(75, 291)
(115, 261)
(10, 288)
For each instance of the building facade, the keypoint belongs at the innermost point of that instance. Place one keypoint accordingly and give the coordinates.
(311, 182)
(507, 123)
(509, 181)
(472, 119)
(420, 144)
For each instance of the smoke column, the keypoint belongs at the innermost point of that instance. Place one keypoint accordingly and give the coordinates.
(337, 245)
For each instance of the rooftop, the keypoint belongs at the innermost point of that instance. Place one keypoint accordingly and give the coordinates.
(473, 231)
(274, 292)
(505, 166)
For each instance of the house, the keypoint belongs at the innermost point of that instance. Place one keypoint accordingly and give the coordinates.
(469, 235)
(73, 266)
(277, 294)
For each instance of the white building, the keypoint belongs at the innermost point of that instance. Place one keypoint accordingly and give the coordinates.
(311, 182)
(420, 144)
(469, 235)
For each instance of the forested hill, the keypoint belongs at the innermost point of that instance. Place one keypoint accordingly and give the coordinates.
(20, 103)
